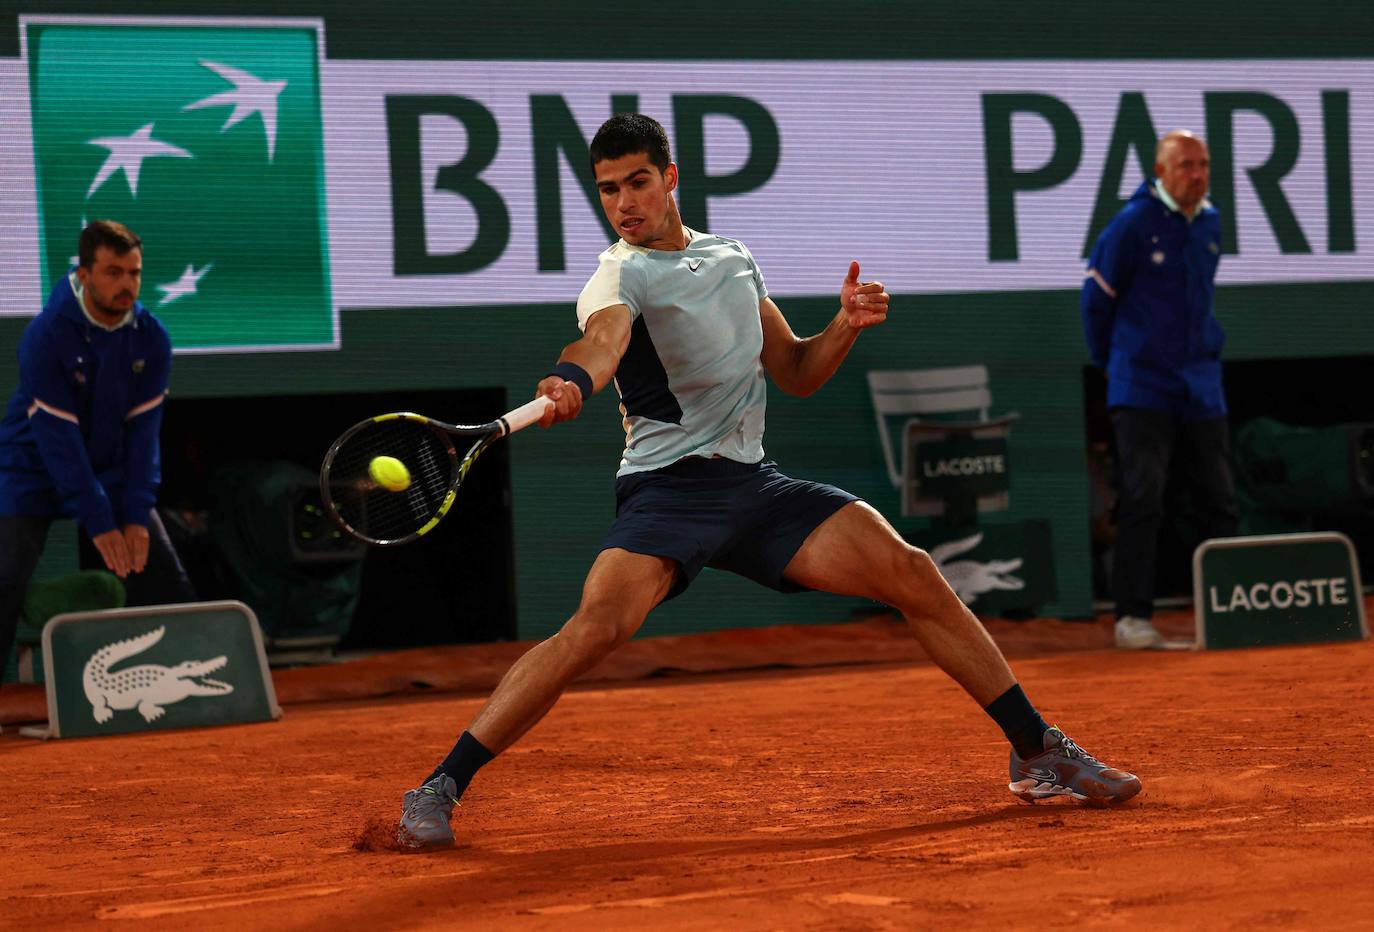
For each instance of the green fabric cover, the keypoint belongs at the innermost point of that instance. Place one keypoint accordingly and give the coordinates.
(250, 524)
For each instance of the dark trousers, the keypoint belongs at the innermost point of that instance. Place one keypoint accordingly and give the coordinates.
(22, 537)
(1146, 444)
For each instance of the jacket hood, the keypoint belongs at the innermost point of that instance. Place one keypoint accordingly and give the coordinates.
(62, 301)
(1147, 192)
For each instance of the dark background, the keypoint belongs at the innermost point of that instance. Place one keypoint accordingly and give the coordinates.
(453, 585)
(1314, 393)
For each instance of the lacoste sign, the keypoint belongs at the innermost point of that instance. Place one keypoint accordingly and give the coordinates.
(973, 465)
(165, 666)
(1279, 595)
(1281, 589)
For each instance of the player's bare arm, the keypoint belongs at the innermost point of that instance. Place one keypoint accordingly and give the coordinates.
(598, 353)
(800, 366)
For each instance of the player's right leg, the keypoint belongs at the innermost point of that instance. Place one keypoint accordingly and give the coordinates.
(620, 590)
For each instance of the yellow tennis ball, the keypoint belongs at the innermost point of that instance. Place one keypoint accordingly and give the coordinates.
(390, 473)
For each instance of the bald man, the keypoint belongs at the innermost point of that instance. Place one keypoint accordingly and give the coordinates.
(1147, 316)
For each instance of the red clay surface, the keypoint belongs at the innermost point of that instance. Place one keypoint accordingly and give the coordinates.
(859, 796)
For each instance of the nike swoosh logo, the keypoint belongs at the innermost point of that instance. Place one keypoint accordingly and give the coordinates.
(693, 264)
(1044, 776)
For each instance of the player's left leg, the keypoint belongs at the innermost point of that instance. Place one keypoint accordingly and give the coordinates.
(856, 552)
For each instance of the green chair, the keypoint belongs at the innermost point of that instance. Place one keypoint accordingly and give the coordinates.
(82, 591)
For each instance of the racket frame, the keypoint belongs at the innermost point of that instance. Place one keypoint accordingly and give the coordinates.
(485, 435)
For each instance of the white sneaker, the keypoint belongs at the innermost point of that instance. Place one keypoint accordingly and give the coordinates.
(1136, 633)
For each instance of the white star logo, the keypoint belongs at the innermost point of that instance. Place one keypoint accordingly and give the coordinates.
(250, 95)
(127, 154)
(183, 286)
(75, 260)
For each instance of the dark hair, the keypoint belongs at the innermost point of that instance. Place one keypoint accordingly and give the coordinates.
(99, 233)
(629, 134)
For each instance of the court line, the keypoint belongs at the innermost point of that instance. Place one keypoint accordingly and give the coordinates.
(192, 904)
(154, 908)
(715, 893)
(649, 901)
(156, 884)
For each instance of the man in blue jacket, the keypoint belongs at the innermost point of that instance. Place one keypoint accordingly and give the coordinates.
(1147, 315)
(80, 436)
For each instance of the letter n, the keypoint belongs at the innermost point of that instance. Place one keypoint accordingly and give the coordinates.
(556, 131)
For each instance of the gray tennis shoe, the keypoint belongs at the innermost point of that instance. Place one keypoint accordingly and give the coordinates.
(1065, 769)
(426, 814)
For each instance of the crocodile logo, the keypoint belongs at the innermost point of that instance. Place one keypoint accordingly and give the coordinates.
(147, 687)
(969, 578)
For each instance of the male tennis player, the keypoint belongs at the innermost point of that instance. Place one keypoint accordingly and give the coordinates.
(683, 323)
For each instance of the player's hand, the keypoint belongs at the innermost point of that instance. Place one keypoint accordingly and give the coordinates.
(864, 303)
(567, 400)
(114, 551)
(136, 541)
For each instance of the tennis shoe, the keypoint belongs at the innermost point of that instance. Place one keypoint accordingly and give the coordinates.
(426, 814)
(1065, 769)
(1134, 633)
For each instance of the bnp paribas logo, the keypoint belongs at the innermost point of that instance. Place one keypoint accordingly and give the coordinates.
(206, 137)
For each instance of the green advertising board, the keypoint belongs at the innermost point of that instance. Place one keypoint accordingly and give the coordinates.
(156, 668)
(211, 146)
(1277, 589)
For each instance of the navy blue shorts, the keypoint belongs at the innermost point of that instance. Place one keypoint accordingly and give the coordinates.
(747, 518)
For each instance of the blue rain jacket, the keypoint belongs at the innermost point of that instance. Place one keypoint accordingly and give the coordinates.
(1147, 308)
(80, 436)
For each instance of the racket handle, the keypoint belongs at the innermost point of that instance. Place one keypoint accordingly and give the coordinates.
(527, 414)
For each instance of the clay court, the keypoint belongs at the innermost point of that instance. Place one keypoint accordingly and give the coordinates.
(691, 785)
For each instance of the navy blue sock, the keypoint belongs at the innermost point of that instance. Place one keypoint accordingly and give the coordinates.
(1019, 721)
(467, 757)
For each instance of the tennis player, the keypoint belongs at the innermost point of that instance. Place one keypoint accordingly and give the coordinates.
(682, 321)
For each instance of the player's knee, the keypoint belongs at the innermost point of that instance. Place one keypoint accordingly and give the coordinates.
(906, 577)
(916, 565)
(592, 637)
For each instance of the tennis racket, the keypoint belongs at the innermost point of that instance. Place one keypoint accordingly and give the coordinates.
(389, 503)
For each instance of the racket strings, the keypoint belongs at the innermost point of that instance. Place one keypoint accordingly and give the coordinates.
(381, 513)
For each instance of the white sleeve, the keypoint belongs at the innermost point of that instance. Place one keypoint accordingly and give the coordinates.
(607, 287)
(756, 271)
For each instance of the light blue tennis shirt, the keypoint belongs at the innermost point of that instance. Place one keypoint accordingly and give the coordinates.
(691, 381)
